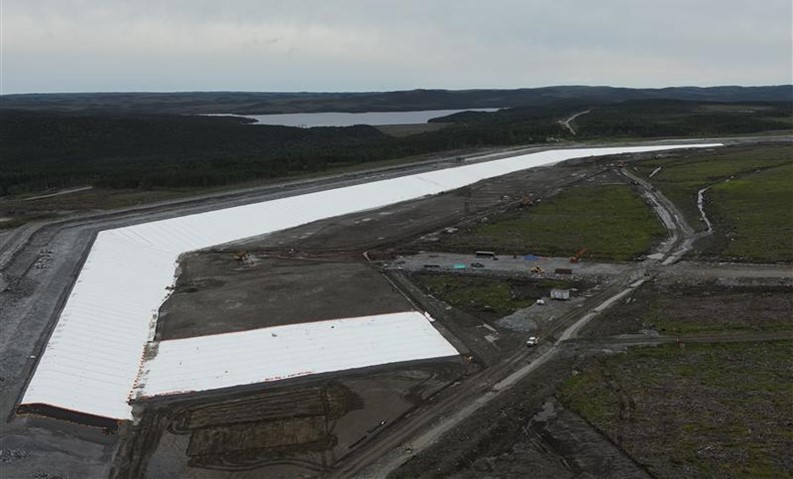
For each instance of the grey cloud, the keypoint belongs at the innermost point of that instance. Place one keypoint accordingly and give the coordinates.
(90, 45)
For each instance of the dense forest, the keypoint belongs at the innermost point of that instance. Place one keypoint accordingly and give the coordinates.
(644, 119)
(42, 150)
(411, 100)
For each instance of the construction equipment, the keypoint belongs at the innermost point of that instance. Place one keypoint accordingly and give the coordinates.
(537, 270)
(527, 200)
(241, 256)
(578, 255)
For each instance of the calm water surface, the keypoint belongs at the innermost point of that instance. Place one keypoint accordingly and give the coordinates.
(308, 120)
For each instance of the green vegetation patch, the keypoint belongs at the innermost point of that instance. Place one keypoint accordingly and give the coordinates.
(699, 309)
(612, 222)
(749, 202)
(757, 210)
(702, 410)
(683, 174)
(494, 297)
(724, 311)
(654, 118)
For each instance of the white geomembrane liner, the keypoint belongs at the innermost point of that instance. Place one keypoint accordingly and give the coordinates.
(282, 352)
(94, 355)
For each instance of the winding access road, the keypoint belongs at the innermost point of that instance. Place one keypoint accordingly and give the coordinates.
(566, 123)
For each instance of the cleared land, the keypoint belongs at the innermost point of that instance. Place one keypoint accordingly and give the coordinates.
(703, 410)
(720, 310)
(217, 293)
(611, 221)
(700, 308)
(488, 298)
(524, 433)
(316, 426)
(756, 226)
(294, 429)
(748, 202)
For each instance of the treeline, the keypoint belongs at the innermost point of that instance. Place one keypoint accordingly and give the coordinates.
(412, 100)
(55, 150)
(677, 119)
(41, 150)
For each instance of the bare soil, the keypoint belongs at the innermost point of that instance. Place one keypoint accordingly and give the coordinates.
(304, 427)
(216, 293)
(308, 273)
(295, 429)
(391, 230)
(694, 410)
(524, 433)
(682, 309)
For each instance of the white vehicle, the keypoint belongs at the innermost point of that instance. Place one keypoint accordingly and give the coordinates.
(532, 341)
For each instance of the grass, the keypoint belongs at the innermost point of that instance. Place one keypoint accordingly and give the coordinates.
(683, 174)
(705, 410)
(498, 297)
(757, 210)
(611, 221)
(721, 311)
(749, 202)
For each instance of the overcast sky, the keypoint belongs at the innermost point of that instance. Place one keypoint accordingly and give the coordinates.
(357, 45)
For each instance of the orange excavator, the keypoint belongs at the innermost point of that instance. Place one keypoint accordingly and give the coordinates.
(578, 255)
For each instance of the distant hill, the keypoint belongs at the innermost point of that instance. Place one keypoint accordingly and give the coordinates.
(263, 102)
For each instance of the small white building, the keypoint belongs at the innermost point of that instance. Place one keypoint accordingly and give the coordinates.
(560, 294)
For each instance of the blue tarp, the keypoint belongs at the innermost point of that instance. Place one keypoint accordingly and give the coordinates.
(531, 257)
(459, 266)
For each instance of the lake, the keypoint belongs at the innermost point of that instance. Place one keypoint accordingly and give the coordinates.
(308, 120)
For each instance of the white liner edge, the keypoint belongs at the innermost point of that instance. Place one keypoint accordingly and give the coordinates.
(94, 355)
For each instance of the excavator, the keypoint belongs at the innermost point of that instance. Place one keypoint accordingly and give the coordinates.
(578, 255)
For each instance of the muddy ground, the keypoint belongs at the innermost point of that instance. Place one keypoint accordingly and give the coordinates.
(516, 436)
(221, 293)
(315, 272)
(525, 433)
(393, 229)
(509, 266)
(694, 409)
(298, 428)
(681, 309)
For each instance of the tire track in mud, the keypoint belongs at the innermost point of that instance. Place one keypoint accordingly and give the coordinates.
(412, 435)
(493, 380)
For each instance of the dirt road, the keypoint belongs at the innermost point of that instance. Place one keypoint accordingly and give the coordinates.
(35, 295)
(409, 438)
(681, 235)
(426, 426)
(566, 123)
(36, 290)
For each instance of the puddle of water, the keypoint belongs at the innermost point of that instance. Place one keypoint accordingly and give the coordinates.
(548, 412)
(701, 206)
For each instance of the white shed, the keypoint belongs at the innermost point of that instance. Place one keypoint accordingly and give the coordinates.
(561, 294)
